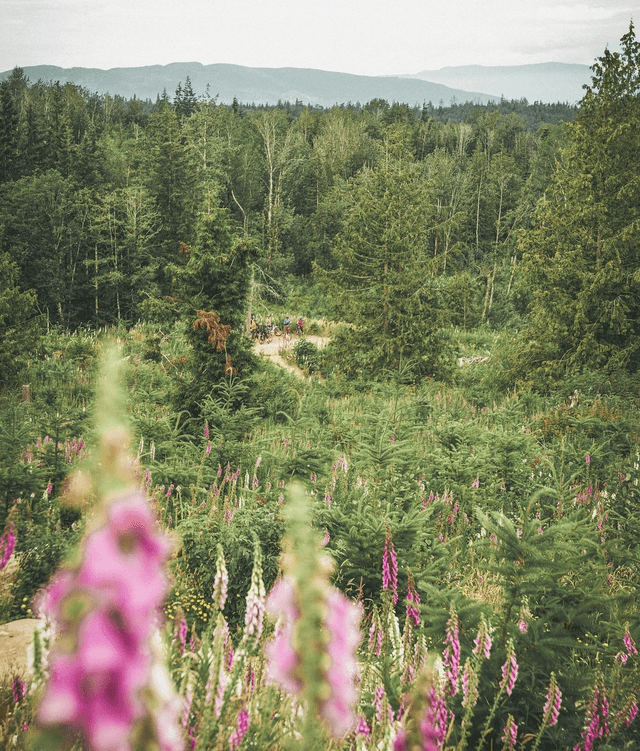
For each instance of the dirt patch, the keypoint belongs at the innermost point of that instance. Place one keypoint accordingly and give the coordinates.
(15, 639)
(273, 350)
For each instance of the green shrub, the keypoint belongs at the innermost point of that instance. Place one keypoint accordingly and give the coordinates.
(307, 356)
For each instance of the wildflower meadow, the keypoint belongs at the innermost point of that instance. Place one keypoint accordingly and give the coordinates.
(421, 536)
(396, 570)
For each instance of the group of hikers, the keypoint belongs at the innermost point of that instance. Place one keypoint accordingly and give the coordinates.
(263, 330)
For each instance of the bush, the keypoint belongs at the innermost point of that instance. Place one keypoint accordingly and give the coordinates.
(307, 356)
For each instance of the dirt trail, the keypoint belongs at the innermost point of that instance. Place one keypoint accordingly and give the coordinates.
(15, 639)
(271, 350)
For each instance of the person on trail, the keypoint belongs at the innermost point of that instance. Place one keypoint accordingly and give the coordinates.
(286, 325)
(300, 326)
(253, 328)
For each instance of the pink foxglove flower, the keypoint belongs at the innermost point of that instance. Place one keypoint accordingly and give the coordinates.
(182, 634)
(629, 643)
(510, 735)
(7, 545)
(281, 655)
(19, 690)
(596, 721)
(390, 568)
(342, 624)
(400, 743)
(241, 730)
(427, 718)
(551, 710)
(470, 691)
(483, 641)
(254, 614)
(451, 656)
(413, 600)
(375, 634)
(111, 605)
(362, 728)
(629, 712)
(509, 670)
(220, 581)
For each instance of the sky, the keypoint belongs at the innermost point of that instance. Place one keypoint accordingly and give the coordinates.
(365, 37)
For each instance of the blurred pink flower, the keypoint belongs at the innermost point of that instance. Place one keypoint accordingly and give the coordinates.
(110, 605)
(342, 622)
(281, 656)
(7, 545)
(238, 734)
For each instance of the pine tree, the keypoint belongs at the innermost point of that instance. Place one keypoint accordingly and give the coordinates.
(383, 283)
(582, 259)
(18, 324)
(213, 288)
(185, 100)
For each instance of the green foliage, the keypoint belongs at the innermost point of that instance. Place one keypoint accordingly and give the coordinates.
(40, 550)
(508, 505)
(275, 393)
(20, 327)
(200, 535)
(213, 287)
(581, 257)
(382, 284)
(492, 508)
(306, 355)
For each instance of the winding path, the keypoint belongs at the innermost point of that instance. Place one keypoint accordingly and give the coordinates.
(271, 350)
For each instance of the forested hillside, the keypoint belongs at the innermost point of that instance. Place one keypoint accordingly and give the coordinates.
(102, 197)
(441, 502)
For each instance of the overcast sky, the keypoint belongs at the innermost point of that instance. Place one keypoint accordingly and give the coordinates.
(368, 37)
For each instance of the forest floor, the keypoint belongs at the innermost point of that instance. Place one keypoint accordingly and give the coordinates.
(274, 350)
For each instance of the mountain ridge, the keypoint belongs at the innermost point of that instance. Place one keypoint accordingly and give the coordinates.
(227, 81)
(544, 82)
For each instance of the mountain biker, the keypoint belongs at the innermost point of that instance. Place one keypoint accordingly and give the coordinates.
(300, 326)
(286, 325)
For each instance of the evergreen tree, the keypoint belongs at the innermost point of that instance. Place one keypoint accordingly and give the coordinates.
(383, 283)
(171, 180)
(185, 100)
(18, 324)
(582, 259)
(213, 288)
(12, 96)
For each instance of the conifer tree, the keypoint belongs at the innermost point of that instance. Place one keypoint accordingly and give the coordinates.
(17, 322)
(383, 282)
(213, 288)
(583, 256)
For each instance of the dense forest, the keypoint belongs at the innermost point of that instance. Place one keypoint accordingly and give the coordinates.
(441, 501)
(102, 200)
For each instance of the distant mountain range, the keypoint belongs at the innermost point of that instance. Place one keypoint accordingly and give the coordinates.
(549, 82)
(544, 82)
